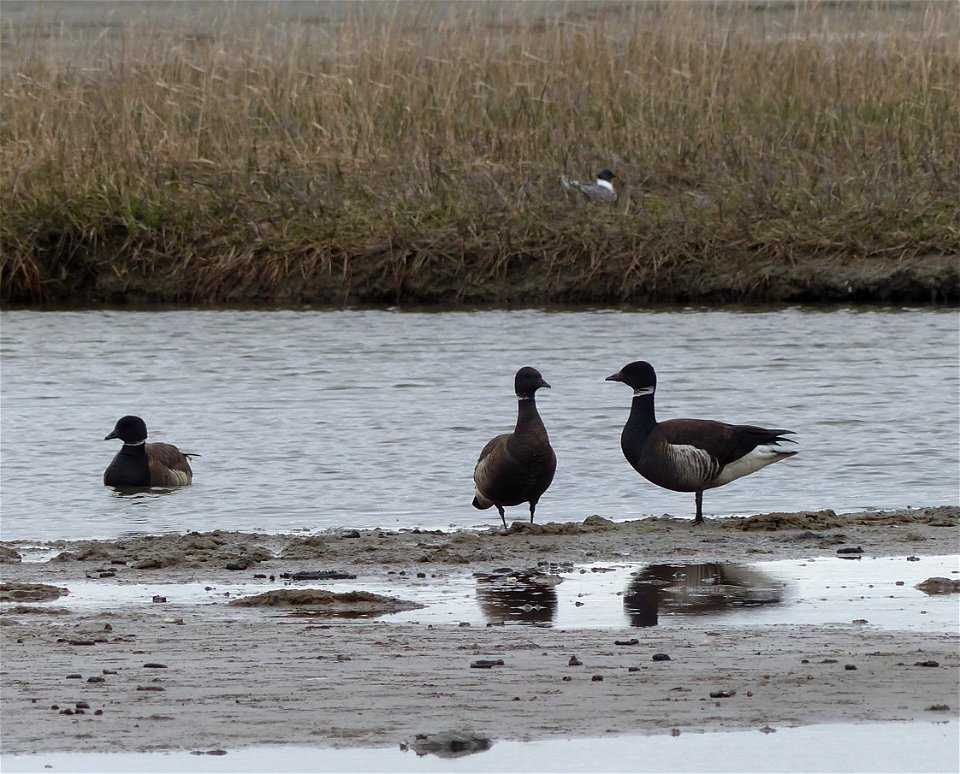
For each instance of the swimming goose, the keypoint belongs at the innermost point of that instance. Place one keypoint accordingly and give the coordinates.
(139, 463)
(517, 467)
(601, 190)
(690, 455)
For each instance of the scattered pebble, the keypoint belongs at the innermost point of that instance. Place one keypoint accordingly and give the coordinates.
(81, 642)
(938, 708)
(661, 657)
(82, 705)
(157, 598)
(722, 694)
(850, 550)
(633, 669)
(632, 641)
(150, 688)
(486, 663)
(96, 679)
(850, 667)
(597, 678)
(574, 661)
(74, 677)
(152, 665)
(913, 558)
(930, 663)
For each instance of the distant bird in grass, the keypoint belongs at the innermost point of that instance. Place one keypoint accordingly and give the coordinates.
(517, 467)
(139, 463)
(690, 455)
(602, 190)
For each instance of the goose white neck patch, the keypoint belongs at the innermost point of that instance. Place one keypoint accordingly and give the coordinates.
(644, 391)
(604, 184)
(136, 443)
(525, 397)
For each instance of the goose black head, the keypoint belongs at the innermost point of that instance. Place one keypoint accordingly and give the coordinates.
(129, 429)
(605, 174)
(527, 381)
(639, 375)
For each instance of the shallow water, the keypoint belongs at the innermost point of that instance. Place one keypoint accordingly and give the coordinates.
(318, 419)
(877, 747)
(877, 592)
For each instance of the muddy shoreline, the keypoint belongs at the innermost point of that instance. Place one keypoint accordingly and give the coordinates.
(165, 676)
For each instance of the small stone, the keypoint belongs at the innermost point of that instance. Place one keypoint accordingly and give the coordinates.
(66, 711)
(930, 663)
(913, 558)
(82, 705)
(597, 678)
(81, 642)
(633, 669)
(722, 694)
(574, 661)
(850, 550)
(74, 677)
(631, 641)
(486, 663)
(850, 667)
(152, 665)
(938, 708)
(158, 599)
(96, 679)
(150, 688)
(98, 712)
(661, 657)
(567, 678)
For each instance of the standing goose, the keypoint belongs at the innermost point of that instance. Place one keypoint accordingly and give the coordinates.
(690, 455)
(517, 467)
(139, 463)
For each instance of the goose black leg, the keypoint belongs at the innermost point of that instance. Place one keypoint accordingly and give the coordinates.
(533, 507)
(699, 517)
(502, 517)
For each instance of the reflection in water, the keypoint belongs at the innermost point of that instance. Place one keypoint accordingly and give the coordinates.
(143, 492)
(696, 589)
(518, 596)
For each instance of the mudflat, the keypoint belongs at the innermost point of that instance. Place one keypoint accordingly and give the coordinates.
(167, 676)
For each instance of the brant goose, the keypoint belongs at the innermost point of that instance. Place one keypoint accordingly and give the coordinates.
(139, 463)
(602, 190)
(517, 467)
(690, 455)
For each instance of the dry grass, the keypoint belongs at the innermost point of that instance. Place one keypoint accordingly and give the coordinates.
(410, 152)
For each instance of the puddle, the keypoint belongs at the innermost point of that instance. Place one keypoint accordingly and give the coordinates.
(888, 747)
(878, 591)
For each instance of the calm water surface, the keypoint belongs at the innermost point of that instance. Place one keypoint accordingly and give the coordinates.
(319, 419)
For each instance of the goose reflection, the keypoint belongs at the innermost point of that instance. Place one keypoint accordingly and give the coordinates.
(518, 596)
(696, 589)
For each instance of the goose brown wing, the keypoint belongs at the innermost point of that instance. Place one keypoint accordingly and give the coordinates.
(168, 465)
(490, 457)
(725, 443)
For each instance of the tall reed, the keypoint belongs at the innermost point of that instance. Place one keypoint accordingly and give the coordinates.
(411, 151)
